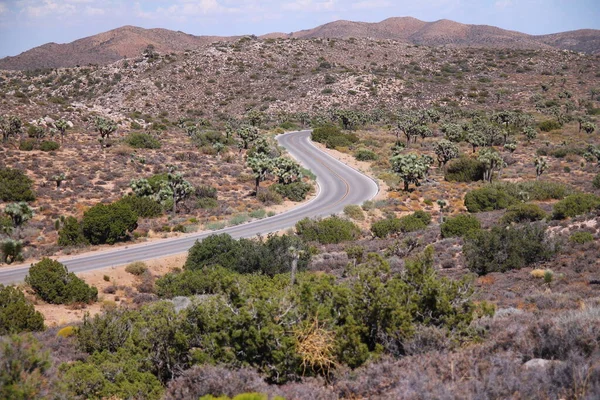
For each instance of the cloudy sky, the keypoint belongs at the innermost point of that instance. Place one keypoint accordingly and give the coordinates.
(28, 23)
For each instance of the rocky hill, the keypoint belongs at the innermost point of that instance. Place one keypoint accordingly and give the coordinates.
(129, 41)
(105, 48)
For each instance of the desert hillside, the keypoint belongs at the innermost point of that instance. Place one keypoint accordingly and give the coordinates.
(130, 41)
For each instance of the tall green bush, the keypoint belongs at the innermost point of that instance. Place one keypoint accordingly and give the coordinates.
(17, 314)
(108, 223)
(328, 230)
(575, 204)
(461, 225)
(506, 248)
(53, 283)
(15, 186)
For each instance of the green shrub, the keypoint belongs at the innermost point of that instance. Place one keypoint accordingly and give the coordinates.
(549, 125)
(17, 314)
(355, 212)
(295, 191)
(49, 145)
(269, 197)
(15, 186)
(488, 198)
(206, 192)
(27, 144)
(464, 169)
(144, 207)
(53, 283)
(71, 234)
(581, 237)
(365, 155)
(461, 225)
(136, 268)
(523, 212)
(596, 181)
(575, 204)
(385, 227)
(207, 203)
(332, 137)
(139, 140)
(409, 223)
(108, 223)
(271, 256)
(506, 248)
(327, 231)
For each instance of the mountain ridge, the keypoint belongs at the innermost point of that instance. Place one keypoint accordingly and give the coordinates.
(129, 41)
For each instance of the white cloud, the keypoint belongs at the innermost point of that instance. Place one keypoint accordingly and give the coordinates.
(370, 5)
(310, 5)
(3, 9)
(94, 11)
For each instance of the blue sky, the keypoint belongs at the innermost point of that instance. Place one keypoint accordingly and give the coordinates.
(28, 23)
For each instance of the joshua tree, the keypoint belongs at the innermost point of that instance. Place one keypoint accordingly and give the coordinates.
(178, 188)
(104, 127)
(410, 167)
(286, 170)
(445, 151)
(492, 161)
(10, 125)
(540, 166)
(62, 126)
(19, 213)
(247, 135)
(58, 178)
(261, 165)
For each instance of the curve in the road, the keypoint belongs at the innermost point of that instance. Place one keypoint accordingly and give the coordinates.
(339, 185)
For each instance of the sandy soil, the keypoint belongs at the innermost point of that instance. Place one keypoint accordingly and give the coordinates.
(59, 315)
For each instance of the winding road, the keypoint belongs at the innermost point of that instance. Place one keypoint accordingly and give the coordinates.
(338, 186)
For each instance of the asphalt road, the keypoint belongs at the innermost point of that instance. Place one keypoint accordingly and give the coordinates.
(338, 186)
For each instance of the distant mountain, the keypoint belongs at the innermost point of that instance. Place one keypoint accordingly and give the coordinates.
(104, 48)
(449, 33)
(130, 41)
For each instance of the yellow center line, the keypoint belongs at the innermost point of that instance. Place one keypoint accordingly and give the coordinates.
(334, 173)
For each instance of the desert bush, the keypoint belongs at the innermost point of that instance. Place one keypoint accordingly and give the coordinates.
(328, 230)
(355, 212)
(26, 369)
(461, 225)
(207, 203)
(464, 169)
(271, 256)
(506, 248)
(136, 268)
(581, 237)
(488, 198)
(108, 223)
(269, 197)
(205, 380)
(17, 314)
(139, 140)
(15, 186)
(27, 144)
(53, 283)
(49, 145)
(66, 332)
(596, 181)
(523, 212)
(295, 191)
(409, 223)
(11, 251)
(144, 207)
(206, 192)
(332, 137)
(549, 125)
(365, 155)
(71, 233)
(575, 204)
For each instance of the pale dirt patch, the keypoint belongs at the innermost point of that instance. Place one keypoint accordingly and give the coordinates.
(60, 315)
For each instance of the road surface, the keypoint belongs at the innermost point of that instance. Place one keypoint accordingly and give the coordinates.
(338, 186)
